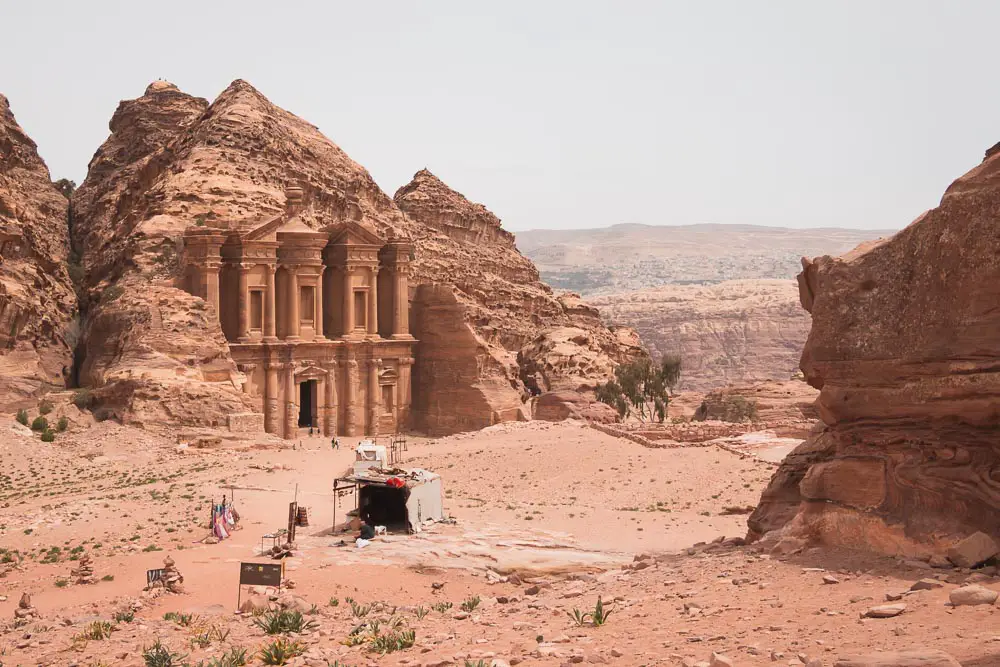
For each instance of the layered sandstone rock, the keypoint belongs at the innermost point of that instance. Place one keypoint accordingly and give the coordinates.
(37, 300)
(173, 160)
(520, 337)
(905, 348)
(732, 332)
(784, 406)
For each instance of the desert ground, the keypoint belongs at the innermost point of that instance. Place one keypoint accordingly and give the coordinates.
(547, 518)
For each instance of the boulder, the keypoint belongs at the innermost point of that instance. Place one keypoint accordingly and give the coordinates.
(974, 550)
(909, 658)
(559, 405)
(255, 604)
(885, 611)
(972, 595)
(903, 349)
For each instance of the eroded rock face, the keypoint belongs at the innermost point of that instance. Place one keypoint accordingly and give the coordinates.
(736, 331)
(905, 348)
(37, 300)
(525, 340)
(173, 160)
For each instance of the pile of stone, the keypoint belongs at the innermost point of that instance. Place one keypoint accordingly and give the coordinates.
(172, 579)
(25, 612)
(84, 573)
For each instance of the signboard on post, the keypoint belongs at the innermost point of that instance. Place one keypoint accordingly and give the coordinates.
(259, 574)
(153, 575)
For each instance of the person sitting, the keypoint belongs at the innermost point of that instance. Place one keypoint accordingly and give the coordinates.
(367, 532)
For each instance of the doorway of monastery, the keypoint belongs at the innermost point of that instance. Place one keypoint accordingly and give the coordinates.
(307, 404)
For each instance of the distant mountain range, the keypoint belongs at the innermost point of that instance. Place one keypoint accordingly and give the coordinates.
(629, 256)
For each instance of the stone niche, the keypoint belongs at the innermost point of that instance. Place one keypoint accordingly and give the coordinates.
(317, 320)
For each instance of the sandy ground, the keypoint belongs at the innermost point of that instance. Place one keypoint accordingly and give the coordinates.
(564, 508)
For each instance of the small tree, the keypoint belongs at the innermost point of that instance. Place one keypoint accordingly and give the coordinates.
(22, 417)
(65, 187)
(643, 386)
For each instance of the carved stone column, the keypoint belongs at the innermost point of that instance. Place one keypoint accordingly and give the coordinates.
(374, 396)
(247, 370)
(351, 398)
(330, 411)
(269, 304)
(401, 304)
(373, 303)
(291, 411)
(318, 306)
(211, 278)
(244, 303)
(294, 318)
(404, 392)
(271, 412)
(348, 312)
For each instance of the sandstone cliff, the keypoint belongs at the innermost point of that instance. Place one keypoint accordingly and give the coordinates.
(37, 301)
(173, 160)
(526, 339)
(732, 332)
(904, 347)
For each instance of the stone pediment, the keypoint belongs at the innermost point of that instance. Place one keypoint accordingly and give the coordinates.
(351, 233)
(310, 373)
(261, 232)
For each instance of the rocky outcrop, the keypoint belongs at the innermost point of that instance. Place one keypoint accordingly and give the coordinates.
(526, 340)
(556, 406)
(37, 300)
(174, 160)
(905, 348)
(732, 332)
(787, 407)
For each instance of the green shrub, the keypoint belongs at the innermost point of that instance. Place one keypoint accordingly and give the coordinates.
(48, 435)
(159, 655)
(62, 424)
(280, 651)
(394, 641)
(124, 616)
(45, 407)
(22, 417)
(83, 399)
(283, 622)
(40, 423)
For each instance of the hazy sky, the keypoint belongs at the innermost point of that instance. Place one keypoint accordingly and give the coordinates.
(561, 114)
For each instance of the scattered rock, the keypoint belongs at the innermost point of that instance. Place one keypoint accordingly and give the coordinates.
(910, 658)
(830, 579)
(885, 611)
(720, 660)
(926, 585)
(972, 595)
(974, 550)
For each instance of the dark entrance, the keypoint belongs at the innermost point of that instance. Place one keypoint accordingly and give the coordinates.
(307, 403)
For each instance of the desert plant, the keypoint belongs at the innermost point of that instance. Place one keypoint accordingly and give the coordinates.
(124, 616)
(441, 607)
(83, 399)
(108, 577)
(61, 583)
(579, 617)
(39, 423)
(420, 612)
(48, 435)
(600, 614)
(283, 622)
(360, 610)
(45, 407)
(477, 663)
(334, 602)
(62, 424)
(395, 641)
(185, 620)
(280, 651)
(642, 385)
(22, 417)
(98, 630)
(159, 655)
(112, 293)
(235, 656)
(471, 603)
